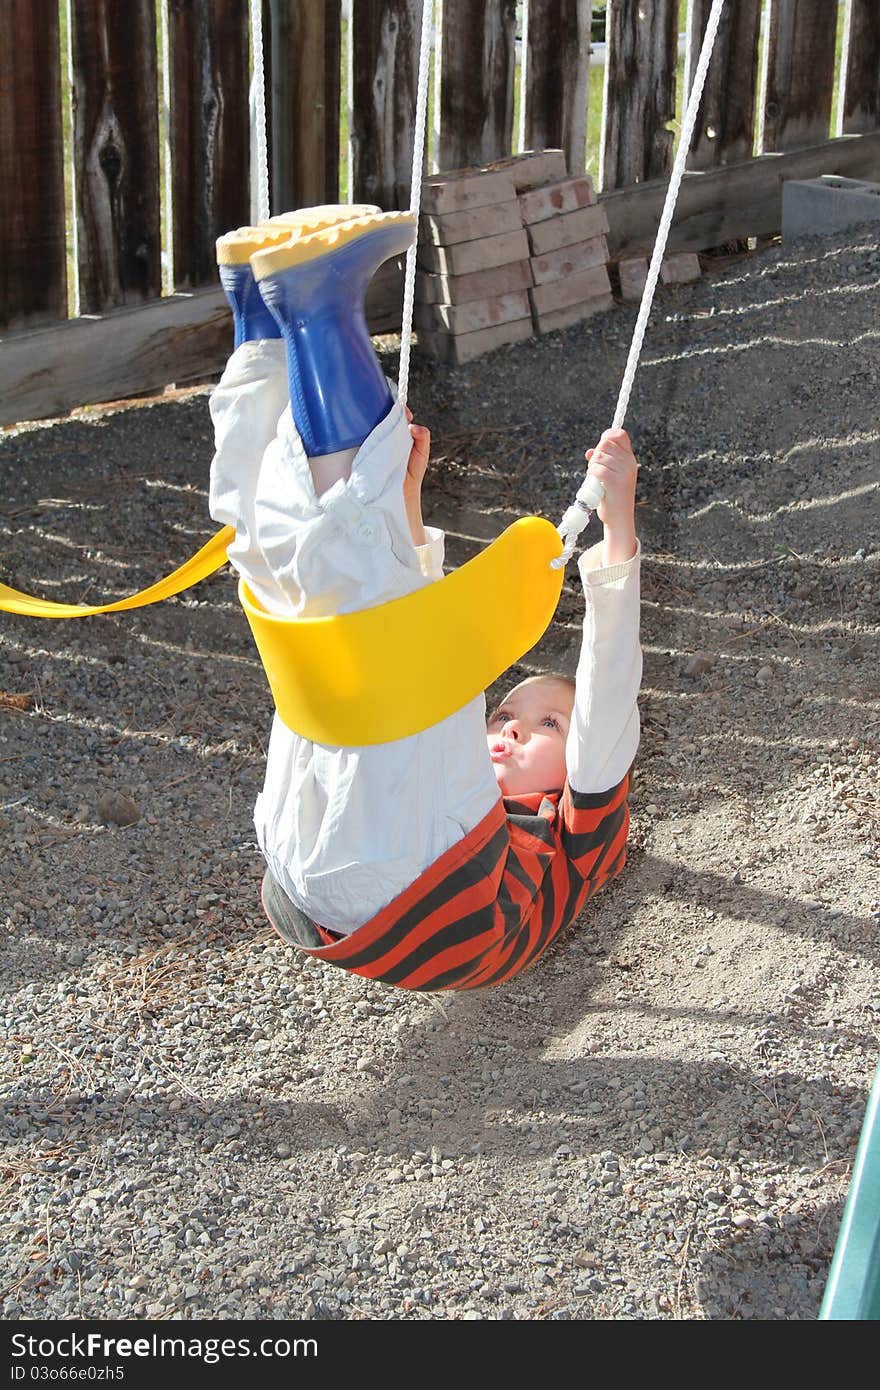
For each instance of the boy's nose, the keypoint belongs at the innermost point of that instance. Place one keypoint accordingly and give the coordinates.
(514, 729)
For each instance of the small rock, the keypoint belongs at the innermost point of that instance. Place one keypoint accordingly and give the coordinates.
(586, 1261)
(115, 808)
(700, 663)
(764, 675)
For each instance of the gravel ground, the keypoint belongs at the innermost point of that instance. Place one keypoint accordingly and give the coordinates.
(659, 1120)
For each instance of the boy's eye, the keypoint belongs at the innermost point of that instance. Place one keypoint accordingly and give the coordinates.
(553, 723)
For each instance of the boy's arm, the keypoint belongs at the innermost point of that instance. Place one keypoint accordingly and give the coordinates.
(429, 541)
(604, 731)
(415, 476)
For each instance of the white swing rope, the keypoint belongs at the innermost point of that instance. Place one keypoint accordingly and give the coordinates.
(421, 112)
(589, 494)
(259, 133)
(421, 120)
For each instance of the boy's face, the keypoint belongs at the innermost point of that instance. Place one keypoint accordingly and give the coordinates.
(526, 736)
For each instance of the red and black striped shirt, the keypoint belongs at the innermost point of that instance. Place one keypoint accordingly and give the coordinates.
(489, 906)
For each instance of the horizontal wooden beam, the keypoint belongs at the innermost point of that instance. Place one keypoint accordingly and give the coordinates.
(730, 203)
(186, 337)
(109, 357)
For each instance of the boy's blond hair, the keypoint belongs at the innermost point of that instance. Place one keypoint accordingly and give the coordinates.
(561, 676)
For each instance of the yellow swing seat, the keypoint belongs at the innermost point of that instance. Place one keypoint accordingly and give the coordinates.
(387, 672)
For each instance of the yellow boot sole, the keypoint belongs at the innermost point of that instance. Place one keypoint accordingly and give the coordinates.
(237, 247)
(308, 246)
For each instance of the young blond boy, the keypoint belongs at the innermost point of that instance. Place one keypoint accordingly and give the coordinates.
(452, 858)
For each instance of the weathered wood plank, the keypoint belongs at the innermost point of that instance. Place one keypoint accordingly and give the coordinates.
(557, 63)
(33, 274)
(476, 86)
(725, 131)
(385, 38)
(639, 99)
(304, 102)
(384, 299)
(728, 204)
(208, 43)
(115, 355)
(116, 152)
(860, 100)
(332, 97)
(799, 80)
(126, 352)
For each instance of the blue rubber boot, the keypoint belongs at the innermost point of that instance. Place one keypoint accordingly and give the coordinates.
(251, 319)
(315, 287)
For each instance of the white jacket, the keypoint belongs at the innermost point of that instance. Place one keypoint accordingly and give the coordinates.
(345, 830)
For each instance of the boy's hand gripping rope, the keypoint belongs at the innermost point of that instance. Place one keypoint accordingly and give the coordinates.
(590, 492)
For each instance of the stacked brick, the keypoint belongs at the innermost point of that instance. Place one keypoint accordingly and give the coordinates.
(680, 269)
(569, 253)
(472, 286)
(504, 251)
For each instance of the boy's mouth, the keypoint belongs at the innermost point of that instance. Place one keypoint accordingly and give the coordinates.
(498, 751)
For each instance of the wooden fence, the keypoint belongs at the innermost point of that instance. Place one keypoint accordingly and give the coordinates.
(166, 83)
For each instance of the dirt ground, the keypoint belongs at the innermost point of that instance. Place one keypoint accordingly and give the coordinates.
(660, 1119)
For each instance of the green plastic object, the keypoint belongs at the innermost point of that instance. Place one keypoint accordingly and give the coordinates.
(853, 1289)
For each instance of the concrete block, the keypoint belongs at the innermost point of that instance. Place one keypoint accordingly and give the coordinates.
(481, 284)
(449, 228)
(574, 289)
(532, 168)
(567, 229)
(457, 348)
(462, 189)
(470, 256)
(573, 313)
(568, 260)
(633, 277)
(820, 207)
(556, 198)
(474, 315)
(682, 269)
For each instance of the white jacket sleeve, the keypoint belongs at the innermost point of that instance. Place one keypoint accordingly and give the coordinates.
(246, 405)
(432, 554)
(604, 731)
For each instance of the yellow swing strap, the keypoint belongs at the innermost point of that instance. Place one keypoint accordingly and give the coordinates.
(387, 672)
(197, 567)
